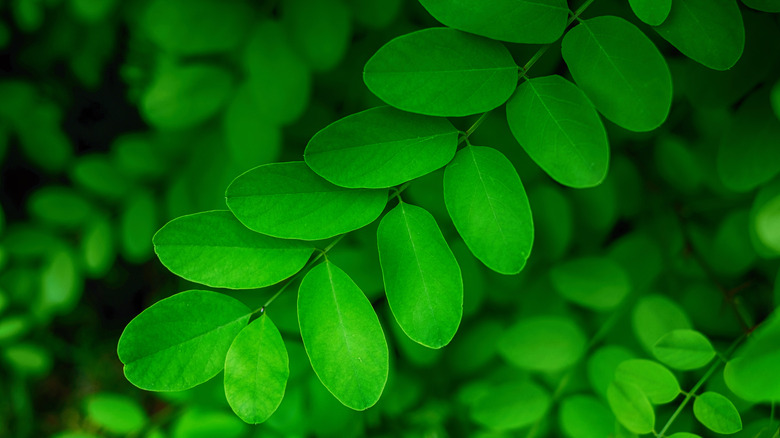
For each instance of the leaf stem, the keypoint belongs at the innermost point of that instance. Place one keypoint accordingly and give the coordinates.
(473, 127)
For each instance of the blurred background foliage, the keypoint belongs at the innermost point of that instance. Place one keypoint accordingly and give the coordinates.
(117, 116)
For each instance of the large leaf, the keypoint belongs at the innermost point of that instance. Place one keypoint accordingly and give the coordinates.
(631, 407)
(422, 278)
(684, 349)
(598, 283)
(342, 336)
(543, 343)
(652, 12)
(181, 341)
(442, 72)
(717, 413)
(560, 130)
(256, 371)
(621, 71)
(290, 201)
(215, 249)
(381, 147)
(488, 205)
(655, 380)
(516, 21)
(708, 31)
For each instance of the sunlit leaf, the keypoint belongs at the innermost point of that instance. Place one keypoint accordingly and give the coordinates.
(511, 406)
(684, 349)
(116, 413)
(655, 380)
(543, 343)
(631, 407)
(655, 316)
(717, 413)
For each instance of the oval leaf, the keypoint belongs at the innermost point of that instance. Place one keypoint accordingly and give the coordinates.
(442, 72)
(256, 371)
(511, 406)
(684, 349)
(290, 201)
(717, 413)
(342, 336)
(655, 380)
(752, 374)
(543, 21)
(597, 283)
(708, 31)
(631, 407)
(116, 413)
(543, 343)
(488, 205)
(381, 147)
(422, 278)
(215, 249)
(763, 5)
(585, 416)
(621, 71)
(561, 131)
(652, 12)
(656, 315)
(181, 341)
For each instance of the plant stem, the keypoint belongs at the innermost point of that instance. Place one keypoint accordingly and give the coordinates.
(473, 127)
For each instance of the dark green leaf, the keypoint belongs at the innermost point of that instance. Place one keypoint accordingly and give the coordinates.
(655, 380)
(763, 5)
(251, 140)
(181, 341)
(511, 406)
(215, 249)
(684, 349)
(543, 343)
(99, 175)
(489, 207)
(598, 283)
(621, 71)
(318, 29)
(116, 413)
(585, 416)
(442, 72)
(717, 413)
(422, 278)
(61, 206)
(652, 12)
(137, 224)
(631, 407)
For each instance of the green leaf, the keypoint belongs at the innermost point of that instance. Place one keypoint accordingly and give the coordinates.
(488, 205)
(319, 29)
(652, 12)
(59, 206)
(684, 435)
(621, 71)
(342, 336)
(96, 173)
(585, 416)
(201, 422)
(61, 282)
(516, 21)
(708, 31)
(560, 130)
(250, 140)
(215, 249)
(763, 5)
(655, 380)
(181, 341)
(684, 349)
(543, 343)
(598, 283)
(137, 224)
(602, 364)
(97, 248)
(442, 72)
(752, 373)
(290, 201)
(116, 413)
(381, 147)
(511, 406)
(422, 278)
(256, 371)
(631, 407)
(717, 413)
(656, 315)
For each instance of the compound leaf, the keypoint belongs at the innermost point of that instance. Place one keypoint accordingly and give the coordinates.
(215, 249)
(717, 413)
(256, 371)
(621, 71)
(342, 335)
(488, 205)
(422, 278)
(543, 343)
(381, 147)
(561, 131)
(652, 12)
(598, 283)
(631, 407)
(181, 341)
(289, 201)
(655, 380)
(684, 349)
(442, 72)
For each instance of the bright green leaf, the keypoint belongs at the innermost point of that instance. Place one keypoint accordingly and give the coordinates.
(631, 407)
(602, 364)
(652, 12)
(542, 21)
(511, 405)
(560, 130)
(752, 373)
(181, 341)
(655, 380)
(422, 278)
(684, 435)
(543, 343)
(488, 205)
(342, 336)
(28, 359)
(708, 31)
(381, 147)
(621, 71)
(442, 72)
(290, 201)
(684, 349)
(717, 413)
(318, 29)
(256, 371)
(200, 422)
(98, 250)
(61, 282)
(655, 316)
(585, 416)
(215, 249)
(116, 413)
(598, 283)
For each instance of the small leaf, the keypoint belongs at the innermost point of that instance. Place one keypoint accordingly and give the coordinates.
(631, 407)
(708, 31)
(652, 12)
(597, 283)
(97, 248)
(96, 173)
(137, 224)
(717, 413)
(561, 131)
(488, 205)
(602, 364)
(655, 380)
(381, 147)
(215, 249)
(585, 416)
(422, 278)
(60, 206)
(542, 21)
(116, 413)
(181, 341)
(621, 71)
(342, 336)
(256, 371)
(511, 406)
(442, 72)
(684, 349)
(656, 315)
(289, 201)
(543, 343)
